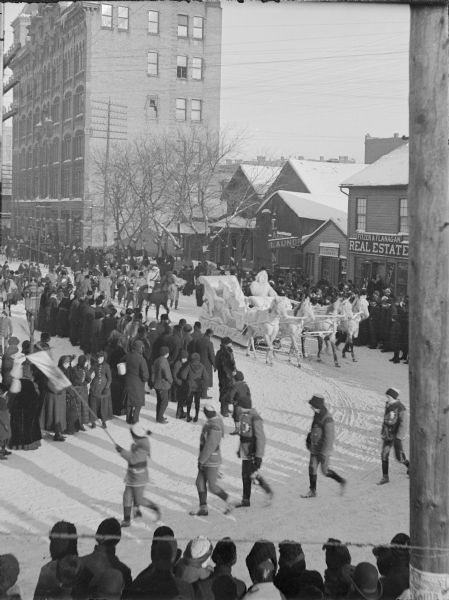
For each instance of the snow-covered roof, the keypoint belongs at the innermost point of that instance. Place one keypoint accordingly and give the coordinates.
(260, 176)
(309, 206)
(324, 178)
(306, 238)
(389, 170)
(236, 222)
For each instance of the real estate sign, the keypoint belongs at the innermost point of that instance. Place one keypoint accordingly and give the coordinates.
(381, 244)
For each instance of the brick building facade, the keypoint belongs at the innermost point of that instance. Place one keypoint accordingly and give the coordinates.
(158, 63)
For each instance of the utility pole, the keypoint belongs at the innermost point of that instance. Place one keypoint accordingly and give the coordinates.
(428, 201)
(108, 123)
(106, 166)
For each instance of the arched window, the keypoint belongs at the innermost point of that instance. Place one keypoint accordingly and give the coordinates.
(67, 106)
(55, 110)
(67, 148)
(37, 118)
(29, 125)
(78, 102)
(78, 145)
(54, 151)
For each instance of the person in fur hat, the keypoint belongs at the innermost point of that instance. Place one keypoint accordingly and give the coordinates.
(195, 564)
(137, 475)
(224, 556)
(209, 461)
(319, 442)
(394, 429)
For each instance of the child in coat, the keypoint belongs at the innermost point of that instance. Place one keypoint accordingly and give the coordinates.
(136, 475)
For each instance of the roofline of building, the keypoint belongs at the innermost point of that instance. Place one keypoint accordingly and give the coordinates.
(312, 235)
(377, 185)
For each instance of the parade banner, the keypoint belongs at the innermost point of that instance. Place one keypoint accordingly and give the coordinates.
(43, 361)
(379, 244)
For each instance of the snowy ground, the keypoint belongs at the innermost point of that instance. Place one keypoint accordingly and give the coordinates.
(81, 480)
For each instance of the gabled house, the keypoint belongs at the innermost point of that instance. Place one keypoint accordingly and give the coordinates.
(378, 222)
(232, 241)
(320, 178)
(293, 226)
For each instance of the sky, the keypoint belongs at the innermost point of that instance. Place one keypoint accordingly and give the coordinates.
(309, 79)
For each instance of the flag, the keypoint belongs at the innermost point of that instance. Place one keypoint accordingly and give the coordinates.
(43, 361)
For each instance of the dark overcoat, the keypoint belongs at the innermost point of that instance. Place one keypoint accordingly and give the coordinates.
(205, 349)
(135, 378)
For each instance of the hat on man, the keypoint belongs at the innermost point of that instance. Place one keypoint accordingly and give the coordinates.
(392, 393)
(366, 581)
(198, 551)
(164, 350)
(225, 552)
(226, 341)
(210, 410)
(138, 431)
(317, 401)
(239, 376)
(109, 532)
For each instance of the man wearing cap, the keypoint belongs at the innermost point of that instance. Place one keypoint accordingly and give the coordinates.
(162, 382)
(394, 428)
(209, 461)
(225, 365)
(319, 442)
(251, 450)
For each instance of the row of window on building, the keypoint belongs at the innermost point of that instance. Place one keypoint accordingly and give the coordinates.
(194, 25)
(50, 181)
(49, 152)
(361, 214)
(196, 66)
(33, 85)
(72, 107)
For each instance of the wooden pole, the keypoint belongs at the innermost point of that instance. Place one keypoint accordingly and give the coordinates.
(428, 198)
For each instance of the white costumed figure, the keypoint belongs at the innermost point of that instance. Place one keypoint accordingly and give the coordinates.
(261, 291)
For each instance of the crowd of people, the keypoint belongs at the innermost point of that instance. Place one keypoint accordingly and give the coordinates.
(204, 571)
(124, 356)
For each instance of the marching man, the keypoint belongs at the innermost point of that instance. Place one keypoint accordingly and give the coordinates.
(394, 429)
(137, 475)
(319, 442)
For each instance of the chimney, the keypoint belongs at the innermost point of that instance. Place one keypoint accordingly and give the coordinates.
(321, 158)
(396, 135)
(261, 159)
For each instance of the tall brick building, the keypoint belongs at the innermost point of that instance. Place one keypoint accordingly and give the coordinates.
(157, 63)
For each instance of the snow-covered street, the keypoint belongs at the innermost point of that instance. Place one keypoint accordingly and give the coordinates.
(81, 480)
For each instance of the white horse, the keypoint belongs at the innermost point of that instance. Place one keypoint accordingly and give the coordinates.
(291, 327)
(264, 322)
(354, 312)
(320, 324)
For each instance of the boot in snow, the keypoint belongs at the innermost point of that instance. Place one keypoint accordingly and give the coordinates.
(310, 494)
(385, 479)
(201, 512)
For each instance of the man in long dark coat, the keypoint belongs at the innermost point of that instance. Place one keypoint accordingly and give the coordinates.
(225, 364)
(205, 349)
(136, 376)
